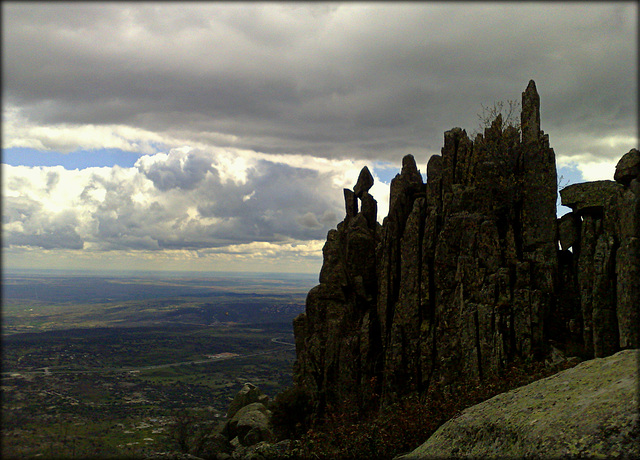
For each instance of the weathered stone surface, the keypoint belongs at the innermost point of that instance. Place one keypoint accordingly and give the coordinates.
(466, 276)
(335, 331)
(251, 424)
(370, 210)
(628, 293)
(625, 214)
(214, 445)
(364, 183)
(589, 196)
(248, 394)
(590, 410)
(568, 230)
(350, 203)
(539, 183)
(530, 118)
(628, 167)
(605, 323)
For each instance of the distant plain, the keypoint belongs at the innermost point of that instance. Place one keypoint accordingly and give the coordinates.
(99, 364)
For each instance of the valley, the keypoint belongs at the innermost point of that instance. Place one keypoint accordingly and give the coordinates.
(94, 372)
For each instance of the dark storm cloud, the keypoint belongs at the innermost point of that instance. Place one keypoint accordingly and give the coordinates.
(38, 228)
(274, 204)
(184, 173)
(338, 80)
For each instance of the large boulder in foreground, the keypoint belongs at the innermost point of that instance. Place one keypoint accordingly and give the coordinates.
(590, 410)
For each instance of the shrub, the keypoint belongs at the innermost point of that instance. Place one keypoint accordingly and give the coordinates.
(290, 413)
(404, 426)
(509, 112)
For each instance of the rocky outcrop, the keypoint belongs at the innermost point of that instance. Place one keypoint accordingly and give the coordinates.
(590, 410)
(249, 393)
(249, 418)
(605, 222)
(250, 424)
(466, 275)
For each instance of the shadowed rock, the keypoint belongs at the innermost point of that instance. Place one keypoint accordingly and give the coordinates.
(628, 168)
(350, 203)
(589, 196)
(568, 230)
(465, 275)
(365, 182)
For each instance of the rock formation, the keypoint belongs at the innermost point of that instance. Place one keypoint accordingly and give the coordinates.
(587, 411)
(247, 432)
(466, 275)
(248, 394)
(248, 417)
(604, 230)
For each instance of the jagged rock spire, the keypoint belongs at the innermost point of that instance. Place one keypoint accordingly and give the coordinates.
(365, 182)
(350, 203)
(465, 274)
(530, 116)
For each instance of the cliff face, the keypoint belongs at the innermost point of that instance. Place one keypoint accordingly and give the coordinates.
(466, 273)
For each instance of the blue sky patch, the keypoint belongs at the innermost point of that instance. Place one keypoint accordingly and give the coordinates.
(386, 171)
(81, 159)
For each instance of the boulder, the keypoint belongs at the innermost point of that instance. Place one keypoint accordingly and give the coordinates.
(568, 230)
(251, 424)
(628, 168)
(365, 182)
(590, 410)
(214, 444)
(589, 196)
(247, 395)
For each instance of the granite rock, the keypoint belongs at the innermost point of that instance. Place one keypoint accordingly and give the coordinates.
(469, 272)
(588, 411)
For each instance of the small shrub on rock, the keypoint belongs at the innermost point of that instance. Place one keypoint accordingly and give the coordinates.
(290, 413)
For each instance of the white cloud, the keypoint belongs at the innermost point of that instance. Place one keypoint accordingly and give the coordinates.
(19, 131)
(281, 106)
(597, 170)
(178, 201)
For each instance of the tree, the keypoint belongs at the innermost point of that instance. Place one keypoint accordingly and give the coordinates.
(510, 111)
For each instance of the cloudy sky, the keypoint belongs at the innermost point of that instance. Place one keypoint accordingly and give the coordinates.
(219, 136)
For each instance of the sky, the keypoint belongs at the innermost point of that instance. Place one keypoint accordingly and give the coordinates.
(218, 136)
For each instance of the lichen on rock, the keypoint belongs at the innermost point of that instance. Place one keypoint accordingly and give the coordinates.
(589, 411)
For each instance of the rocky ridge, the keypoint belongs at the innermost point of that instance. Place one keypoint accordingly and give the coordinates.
(471, 271)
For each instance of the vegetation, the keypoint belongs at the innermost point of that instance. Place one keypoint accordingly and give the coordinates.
(128, 392)
(509, 112)
(115, 412)
(291, 413)
(402, 427)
